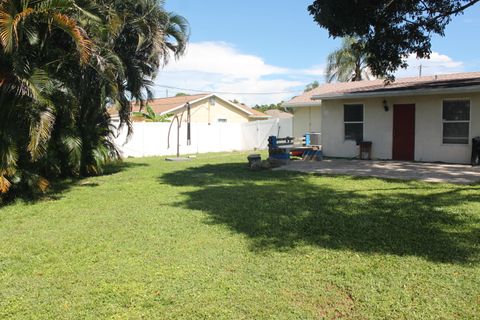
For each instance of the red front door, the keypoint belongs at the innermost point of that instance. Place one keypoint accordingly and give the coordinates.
(404, 132)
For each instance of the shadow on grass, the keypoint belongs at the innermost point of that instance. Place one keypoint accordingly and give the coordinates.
(281, 210)
(58, 187)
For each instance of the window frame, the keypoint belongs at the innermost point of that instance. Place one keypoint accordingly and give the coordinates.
(443, 121)
(353, 122)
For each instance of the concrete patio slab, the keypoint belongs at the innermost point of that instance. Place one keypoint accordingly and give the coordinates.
(430, 172)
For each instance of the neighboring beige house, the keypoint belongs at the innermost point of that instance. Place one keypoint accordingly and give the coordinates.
(205, 108)
(429, 119)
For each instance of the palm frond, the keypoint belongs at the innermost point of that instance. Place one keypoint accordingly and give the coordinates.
(8, 162)
(7, 33)
(73, 145)
(5, 184)
(178, 30)
(68, 25)
(8, 157)
(40, 132)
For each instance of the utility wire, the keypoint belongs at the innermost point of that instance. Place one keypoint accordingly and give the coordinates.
(226, 92)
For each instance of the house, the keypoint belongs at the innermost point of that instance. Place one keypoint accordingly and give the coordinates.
(427, 119)
(279, 114)
(205, 108)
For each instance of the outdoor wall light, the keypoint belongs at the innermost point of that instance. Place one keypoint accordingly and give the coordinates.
(385, 105)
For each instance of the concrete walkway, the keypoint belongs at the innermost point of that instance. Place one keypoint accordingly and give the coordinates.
(430, 172)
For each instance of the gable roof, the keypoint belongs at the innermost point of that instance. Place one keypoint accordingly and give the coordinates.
(275, 113)
(163, 106)
(447, 83)
(254, 113)
(167, 105)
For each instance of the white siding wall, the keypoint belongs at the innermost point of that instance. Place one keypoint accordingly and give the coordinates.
(378, 128)
(307, 119)
(333, 142)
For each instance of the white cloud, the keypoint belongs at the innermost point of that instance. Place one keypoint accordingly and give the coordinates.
(220, 67)
(222, 58)
(318, 70)
(259, 85)
(437, 64)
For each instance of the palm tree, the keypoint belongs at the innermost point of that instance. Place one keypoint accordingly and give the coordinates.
(62, 63)
(137, 46)
(27, 114)
(348, 63)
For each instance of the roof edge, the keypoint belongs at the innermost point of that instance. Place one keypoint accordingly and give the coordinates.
(258, 116)
(183, 104)
(397, 93)
(302, 104)
(207, 97)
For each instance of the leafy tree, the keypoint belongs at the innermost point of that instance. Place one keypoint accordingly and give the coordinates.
(390, 30)
(181, 94)
(272, 106)
(348, 63)
(311, 86)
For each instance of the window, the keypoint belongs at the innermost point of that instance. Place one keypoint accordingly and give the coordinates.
(353, 119)
(456, 121)
(222, 120)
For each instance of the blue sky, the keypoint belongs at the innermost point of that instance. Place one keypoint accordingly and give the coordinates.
(274, 46)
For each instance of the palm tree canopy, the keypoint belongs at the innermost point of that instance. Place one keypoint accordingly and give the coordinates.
(348, 63)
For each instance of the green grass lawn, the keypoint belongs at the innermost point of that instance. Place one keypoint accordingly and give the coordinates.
(210, 239)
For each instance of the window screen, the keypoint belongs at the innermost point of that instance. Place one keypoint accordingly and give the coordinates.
(353, 120)
(456, 121)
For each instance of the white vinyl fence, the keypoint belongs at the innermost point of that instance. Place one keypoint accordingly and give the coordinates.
(151, 139)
